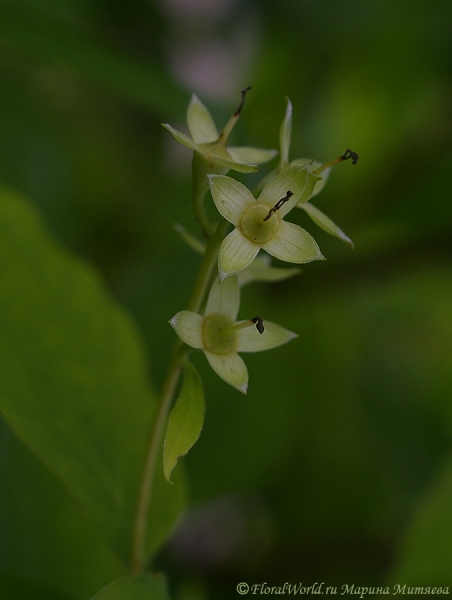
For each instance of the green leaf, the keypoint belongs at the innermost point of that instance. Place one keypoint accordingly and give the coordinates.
(185, 421)
(426, 550)
(137, 587)
(46, 542)
(73, 376)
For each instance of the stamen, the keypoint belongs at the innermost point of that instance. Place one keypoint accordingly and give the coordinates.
(243, 92)
(350, 154)
(258, 321)
(233, 120)
(347, 154)
(278, 205)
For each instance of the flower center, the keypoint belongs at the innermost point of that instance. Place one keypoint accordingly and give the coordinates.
(219, 335)
(256, 227)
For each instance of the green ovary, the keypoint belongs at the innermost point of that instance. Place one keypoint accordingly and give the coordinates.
(218, 334)
(216, 149)
(254, 227)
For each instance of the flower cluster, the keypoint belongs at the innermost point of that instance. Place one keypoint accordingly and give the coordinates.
(258, 222)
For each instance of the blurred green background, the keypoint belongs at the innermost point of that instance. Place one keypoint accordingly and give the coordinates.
(337, 466)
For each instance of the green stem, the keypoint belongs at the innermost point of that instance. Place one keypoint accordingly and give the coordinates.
(200, 187)
(156, 433)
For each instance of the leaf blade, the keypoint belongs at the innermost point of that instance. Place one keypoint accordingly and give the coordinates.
(186, 420)
(135, 587)
(73, 376)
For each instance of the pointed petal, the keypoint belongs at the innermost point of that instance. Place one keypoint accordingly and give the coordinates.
(231, 368)
(182, 138)
(298, 180)
(236, 253)
(285, 133)
(293, 244)
(200, 122)
(234, 166)
(250, 340)
(261, 270)
(188, 326)
(314, 164)
(249, 155)
(325, 222)
(224, 298)
(231, 197)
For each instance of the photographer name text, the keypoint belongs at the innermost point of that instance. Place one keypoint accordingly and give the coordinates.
(298, 589)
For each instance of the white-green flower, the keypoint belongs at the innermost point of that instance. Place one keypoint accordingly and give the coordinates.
(259, 223)
(221, 337)
(211, 146)
(315, 214)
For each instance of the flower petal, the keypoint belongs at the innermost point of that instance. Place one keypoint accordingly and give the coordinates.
(236, 253)
(293, 244)
(285, 135)
(231, 368)
(261, 270)
(325, 222)
(200, 122)
(299, 180)
(320, 184)
(235, 166)
(182, 138)
(231, 197)
(188, 326)
(224, 298)
(249, 155)
(250, 340)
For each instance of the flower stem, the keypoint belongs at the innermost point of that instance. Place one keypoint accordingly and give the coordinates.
(140, 526)
(199, 190)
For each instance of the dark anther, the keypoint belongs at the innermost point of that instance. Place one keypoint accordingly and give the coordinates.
(259, 322)
(350, 154)
(239, 110)
(278, 205)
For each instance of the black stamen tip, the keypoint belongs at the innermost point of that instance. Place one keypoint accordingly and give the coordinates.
(350, 154)
(259, 322)
(239, 110)
(278, 205)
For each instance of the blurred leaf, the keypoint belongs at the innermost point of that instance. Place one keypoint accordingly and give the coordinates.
(425, 556)
(28, 29)
(185, 421)
(138, 587)
(46, 541)
(18, 588)
(74, 383)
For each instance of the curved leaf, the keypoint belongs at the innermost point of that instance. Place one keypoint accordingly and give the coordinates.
(426, 550)
(74, 384)
(185, 421)
(139, 587)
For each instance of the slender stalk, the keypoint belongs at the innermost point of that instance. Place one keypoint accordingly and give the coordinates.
(166, 397)
(152, 452)
(199, 189)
